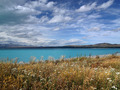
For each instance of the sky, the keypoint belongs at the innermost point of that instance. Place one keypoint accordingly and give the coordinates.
(59, 22)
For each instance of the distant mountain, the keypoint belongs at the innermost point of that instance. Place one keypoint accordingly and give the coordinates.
(99, 45)
(10, 45)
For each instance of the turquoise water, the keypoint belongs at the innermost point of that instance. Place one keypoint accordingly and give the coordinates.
(25, 54)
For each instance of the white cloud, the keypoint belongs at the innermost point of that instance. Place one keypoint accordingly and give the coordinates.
(43, 22)
(94, 6)
(56, 19)
(56, 29)
(60, 18)
(43, 19)
(59, 11)
(40, 5)
(26, 10)
(38, 41)
(94, 29)
(74, 41)
(88, 7)
(106, 4)
(32, 19)
(116, 21)
(66, 42)
(25, 34)
(93, 16)
(8, 38)
(50, 4)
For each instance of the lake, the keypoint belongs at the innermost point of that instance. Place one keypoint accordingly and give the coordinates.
(25, 54)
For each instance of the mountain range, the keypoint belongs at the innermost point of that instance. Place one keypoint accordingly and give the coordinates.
(99, 45)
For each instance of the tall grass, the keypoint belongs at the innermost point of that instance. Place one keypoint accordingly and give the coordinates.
(81, 73)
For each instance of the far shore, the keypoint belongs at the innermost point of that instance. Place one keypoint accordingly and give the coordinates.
(99, 45)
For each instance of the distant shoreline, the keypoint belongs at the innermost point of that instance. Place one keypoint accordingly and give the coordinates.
(53, 47)
(100, 45)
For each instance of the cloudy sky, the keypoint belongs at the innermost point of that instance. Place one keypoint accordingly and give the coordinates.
(59, 22)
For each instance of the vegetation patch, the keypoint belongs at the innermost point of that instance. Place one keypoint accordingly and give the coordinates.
(81, 73)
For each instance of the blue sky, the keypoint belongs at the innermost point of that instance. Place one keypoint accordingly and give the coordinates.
(59, 22)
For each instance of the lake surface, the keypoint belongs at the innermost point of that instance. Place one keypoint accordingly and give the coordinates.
(25, 54)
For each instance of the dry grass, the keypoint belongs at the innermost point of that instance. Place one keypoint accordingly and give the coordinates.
(73, 74)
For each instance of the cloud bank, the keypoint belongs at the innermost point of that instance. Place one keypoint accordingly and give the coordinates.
(54, 23)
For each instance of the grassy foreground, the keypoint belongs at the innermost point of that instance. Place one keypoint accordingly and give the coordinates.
(83, 73)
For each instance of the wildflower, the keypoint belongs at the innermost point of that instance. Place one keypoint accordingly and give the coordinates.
(117, 73)
(114, 87)
(25, 71)
(25, 82)
(42, 79)
(91, 79)
(14, 69)
(39, 71)
(21, 62)
(112, 69)
(29, 73)
(106, 72)
(108, 78)
(95, 69)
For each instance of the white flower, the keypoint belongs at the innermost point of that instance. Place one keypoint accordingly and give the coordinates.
(25, 82)
(14, 69)
(29, 73)
(91, 79)
(25, 71)
(39, 71)
(95, 68)
(21, 62)
(114, 87)
(108, 78)
(117, 73)
(106, 72)
(112, 69)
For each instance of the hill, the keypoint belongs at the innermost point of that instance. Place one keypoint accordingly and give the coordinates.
(99, 45)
